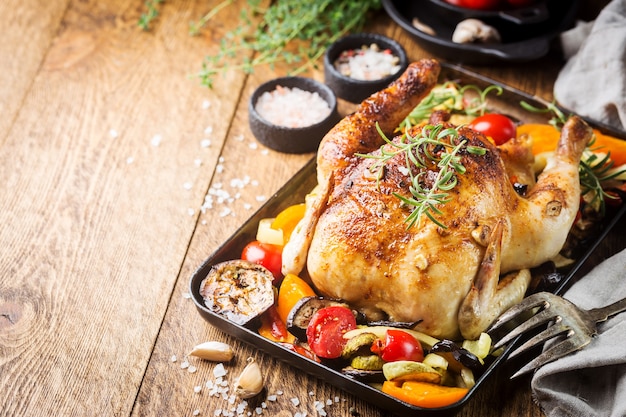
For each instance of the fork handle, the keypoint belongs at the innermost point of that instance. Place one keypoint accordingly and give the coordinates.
(603, 313)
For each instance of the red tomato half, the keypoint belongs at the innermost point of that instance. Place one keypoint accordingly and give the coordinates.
(266, 254)
(497, 126)
(477, 4)
(398, 346)
(326, 329)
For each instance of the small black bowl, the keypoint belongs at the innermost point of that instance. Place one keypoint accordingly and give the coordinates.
(292, 139)
(351, 89)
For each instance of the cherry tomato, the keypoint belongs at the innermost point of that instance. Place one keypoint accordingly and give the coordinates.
(266, 254)
(326, 329)
(497, 126)
(476, 4)
(398, 346)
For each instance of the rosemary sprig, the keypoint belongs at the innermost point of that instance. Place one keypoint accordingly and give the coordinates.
(432, 146)
(558, 118)
(152, 12)
(594, 172)
(290, 31)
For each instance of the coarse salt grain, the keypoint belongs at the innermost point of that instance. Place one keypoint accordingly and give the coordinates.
(368, 63)
(292, 107)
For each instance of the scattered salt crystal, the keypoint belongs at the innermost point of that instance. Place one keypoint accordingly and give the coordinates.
(329, 402)
(239, 137)
(186, 295)
(197, 389)
(197, 162)
(295, 401)
(403, 170)
(226, 212)
(191, 211)
(217, 412)
(203, 222)
(271, 397)
(205, 143)
(219, 168)
(261, 198)
(206, 104)
(247, 206)
(255, 183)
(219, 370)
(156, 140)
(173, 358)
(184, 365)
(130, 160)
(220, 159)
(113, 133)
(192, 369)
(292, 107)
(196, 412)
(265, 151)
(279, 392)
(253, 145)
(187, 185)
(258, 410)
(208, 130)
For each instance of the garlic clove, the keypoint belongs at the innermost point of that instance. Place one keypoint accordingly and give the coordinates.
(213, 351)
(250, 381)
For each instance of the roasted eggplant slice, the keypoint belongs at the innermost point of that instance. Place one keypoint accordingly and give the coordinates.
(300, 315)
(456, 355)
(238, 290)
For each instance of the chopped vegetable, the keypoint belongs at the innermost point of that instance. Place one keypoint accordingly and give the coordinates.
(266, 254)
(326, 330)
(411, 371)
(267, 234)
(398, 345)
(299, 317)
(287, 220)
(292, 290)
(380, 331)
(424, 394)
(238, 290)
(273, 328)
(545, 138)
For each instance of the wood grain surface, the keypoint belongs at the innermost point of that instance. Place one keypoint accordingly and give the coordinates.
(109, 147)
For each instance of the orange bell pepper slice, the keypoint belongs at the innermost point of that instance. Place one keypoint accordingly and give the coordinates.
(292, 289)
(424, 394)
(287, 219)
(545, 138)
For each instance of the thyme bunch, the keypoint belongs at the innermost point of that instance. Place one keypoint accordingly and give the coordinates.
(289, 31)
(151, 13)
(432, 145)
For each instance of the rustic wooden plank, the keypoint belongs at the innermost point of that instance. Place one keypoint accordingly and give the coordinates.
(28, 28)
(103, 172)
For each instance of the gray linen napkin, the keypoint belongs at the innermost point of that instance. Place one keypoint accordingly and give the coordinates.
(593, 81)
(590, 382)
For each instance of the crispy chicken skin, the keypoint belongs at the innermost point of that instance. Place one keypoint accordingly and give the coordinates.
(356, 244)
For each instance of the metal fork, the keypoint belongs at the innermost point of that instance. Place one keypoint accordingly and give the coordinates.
(573, 325)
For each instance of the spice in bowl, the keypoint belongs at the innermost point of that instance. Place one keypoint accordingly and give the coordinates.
(292, 107)
(367, 63)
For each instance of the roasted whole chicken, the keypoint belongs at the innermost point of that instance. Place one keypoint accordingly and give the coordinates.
(356, 245)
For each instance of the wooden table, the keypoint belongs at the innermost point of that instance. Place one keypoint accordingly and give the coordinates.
(107, 150)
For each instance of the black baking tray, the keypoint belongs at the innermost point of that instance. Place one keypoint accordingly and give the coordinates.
(294, 192)
(521, 42)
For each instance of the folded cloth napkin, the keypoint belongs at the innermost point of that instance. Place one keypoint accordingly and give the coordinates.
(593, 81)
(590, 382)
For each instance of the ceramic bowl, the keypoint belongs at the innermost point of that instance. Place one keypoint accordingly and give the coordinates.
(292, 139)
(351, 89)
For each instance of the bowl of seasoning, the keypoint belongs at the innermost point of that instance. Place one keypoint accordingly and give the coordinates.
(358, 65)
(292, 114)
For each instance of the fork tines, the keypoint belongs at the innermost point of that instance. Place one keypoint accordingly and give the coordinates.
(559, 325)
